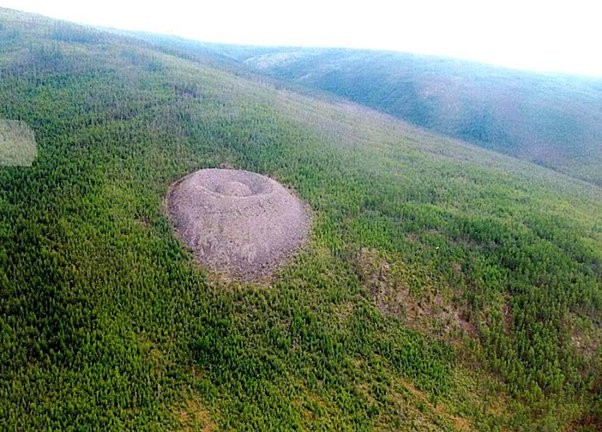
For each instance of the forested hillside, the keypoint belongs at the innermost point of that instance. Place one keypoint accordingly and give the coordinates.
(552, 120)
(444, 287)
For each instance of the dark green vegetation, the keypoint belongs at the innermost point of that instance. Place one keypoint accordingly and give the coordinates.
(444, 286)
(553, 120)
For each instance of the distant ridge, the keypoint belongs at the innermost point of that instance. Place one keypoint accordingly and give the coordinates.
(551, 119)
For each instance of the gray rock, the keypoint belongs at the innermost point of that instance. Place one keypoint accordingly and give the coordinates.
(238, 223)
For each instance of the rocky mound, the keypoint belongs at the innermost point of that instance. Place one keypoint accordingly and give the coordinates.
(237, 222)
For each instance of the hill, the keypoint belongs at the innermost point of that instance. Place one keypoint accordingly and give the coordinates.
(552, 120)
(444, 287)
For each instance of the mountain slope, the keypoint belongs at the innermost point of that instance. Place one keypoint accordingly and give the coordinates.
(552, 120)
(444, 286)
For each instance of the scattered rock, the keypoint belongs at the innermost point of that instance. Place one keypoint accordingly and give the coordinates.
(238, 223)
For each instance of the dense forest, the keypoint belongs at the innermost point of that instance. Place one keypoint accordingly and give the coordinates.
(444, 286)
(552, 120)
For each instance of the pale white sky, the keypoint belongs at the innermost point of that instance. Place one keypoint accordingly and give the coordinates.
(561, 36)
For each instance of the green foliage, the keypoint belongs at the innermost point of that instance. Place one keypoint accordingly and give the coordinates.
(106, 322)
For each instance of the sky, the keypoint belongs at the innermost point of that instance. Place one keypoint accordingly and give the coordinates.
(549, 36)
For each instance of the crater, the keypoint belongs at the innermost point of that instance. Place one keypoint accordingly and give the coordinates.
(239, 223)
(235, 189)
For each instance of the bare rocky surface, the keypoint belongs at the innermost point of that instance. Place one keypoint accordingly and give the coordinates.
(238, 223)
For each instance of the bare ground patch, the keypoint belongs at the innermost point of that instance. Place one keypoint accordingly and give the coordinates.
(193, 416)
(586, 337)
(432, 312)
(238, 223)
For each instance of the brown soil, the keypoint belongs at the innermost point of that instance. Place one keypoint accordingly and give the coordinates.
(238, 223)
(432, 312)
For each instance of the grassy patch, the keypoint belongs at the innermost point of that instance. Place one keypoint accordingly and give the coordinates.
(17, 144)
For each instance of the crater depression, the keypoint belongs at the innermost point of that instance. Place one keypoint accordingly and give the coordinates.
(236, 222)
